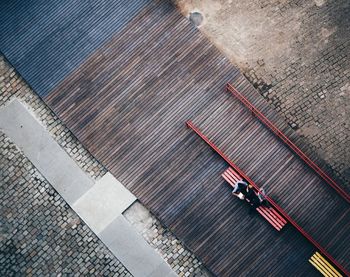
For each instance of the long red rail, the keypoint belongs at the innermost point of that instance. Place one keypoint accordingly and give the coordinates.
(285, 139)
(269, 199)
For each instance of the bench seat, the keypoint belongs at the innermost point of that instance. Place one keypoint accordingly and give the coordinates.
(323, 266)
(269, 213)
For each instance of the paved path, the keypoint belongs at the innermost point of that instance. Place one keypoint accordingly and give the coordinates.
(100, 205)
(43, 151)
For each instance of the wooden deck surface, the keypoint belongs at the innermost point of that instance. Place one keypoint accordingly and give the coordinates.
(46, 40)
(128, 103)
(309, 200)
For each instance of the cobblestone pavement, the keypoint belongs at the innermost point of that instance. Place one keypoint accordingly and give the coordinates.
(33, 217)
(167, 245)
(12, 85)
(297, 54)
(39, 233)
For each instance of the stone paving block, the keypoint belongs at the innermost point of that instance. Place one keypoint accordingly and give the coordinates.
(131, 249)
(12, 86)
(40, 235)
(101, 204)
(51, 160)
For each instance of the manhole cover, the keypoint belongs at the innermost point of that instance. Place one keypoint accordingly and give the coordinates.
(196, 18)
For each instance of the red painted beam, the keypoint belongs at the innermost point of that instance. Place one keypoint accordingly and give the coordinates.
(269, 199)
(286, 140)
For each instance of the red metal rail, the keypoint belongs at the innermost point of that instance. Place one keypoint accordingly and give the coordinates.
(270, 200)
(284, 138)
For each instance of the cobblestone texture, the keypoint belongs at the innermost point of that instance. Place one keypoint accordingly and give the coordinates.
(12, 85)
(297, 54)
(43, 214)
(314, 98)
(40, 234)
(183, 262)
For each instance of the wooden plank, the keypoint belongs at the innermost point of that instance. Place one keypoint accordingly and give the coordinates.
(268, 198)
(127, 103)
(327, 264)
(286, 140)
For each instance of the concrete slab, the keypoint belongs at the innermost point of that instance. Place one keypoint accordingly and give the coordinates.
(101, 204)
(163, 270)
(43, 151)
(133, 251)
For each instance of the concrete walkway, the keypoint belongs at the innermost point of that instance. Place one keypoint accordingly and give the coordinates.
(99, 204)
(44, 152)
(103, 203)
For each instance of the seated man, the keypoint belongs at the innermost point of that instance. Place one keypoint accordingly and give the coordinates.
(252, 197)
(245, 191)
(240, 189)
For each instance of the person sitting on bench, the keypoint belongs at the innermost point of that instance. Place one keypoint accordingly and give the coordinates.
(252, 197)
(245, 191)
(240, 189)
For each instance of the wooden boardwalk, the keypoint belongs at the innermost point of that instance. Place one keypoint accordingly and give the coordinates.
(46, 40)
(307, 198)
(128, 103)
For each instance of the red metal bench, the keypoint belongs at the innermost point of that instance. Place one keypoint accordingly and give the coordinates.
(269, 213)
(269, 199)
(285, 139)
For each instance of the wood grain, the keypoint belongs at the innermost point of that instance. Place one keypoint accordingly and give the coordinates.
(128, 103)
